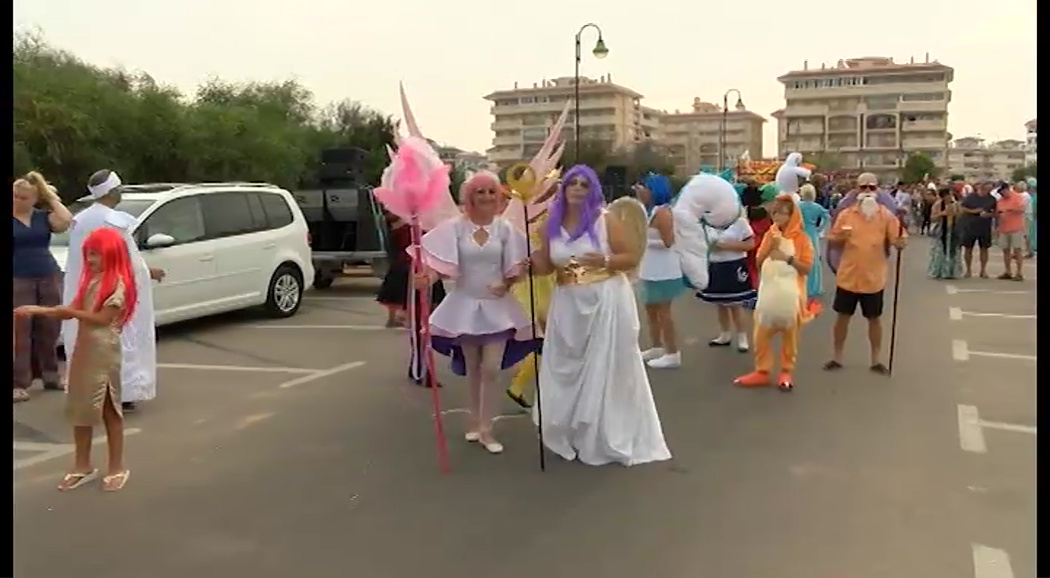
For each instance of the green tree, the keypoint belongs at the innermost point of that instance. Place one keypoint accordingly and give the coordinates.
(918, 167)
(1023, 173)
(643, 158)
(825, 161)
(595, 154)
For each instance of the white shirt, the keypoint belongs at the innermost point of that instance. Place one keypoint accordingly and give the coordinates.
(659, 262)
(740, 230)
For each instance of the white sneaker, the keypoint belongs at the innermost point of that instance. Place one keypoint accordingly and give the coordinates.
(669, 361)
(741, 343)
(653, 353)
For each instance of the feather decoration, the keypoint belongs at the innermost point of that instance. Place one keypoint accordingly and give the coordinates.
(543, 165)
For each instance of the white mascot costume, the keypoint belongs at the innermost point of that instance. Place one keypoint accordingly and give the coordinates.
(704, 199)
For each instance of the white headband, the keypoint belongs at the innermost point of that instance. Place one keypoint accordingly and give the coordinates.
(102, 189)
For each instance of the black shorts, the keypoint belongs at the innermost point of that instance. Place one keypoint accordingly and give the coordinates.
(982, 239)
(846, 303)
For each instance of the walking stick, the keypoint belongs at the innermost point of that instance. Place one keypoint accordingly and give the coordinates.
(424, 342)
(522, 185)
(896, 298)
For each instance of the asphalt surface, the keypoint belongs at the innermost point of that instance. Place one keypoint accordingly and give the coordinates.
(335, 474)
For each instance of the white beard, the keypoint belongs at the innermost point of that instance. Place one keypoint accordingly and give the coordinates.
(868, 207)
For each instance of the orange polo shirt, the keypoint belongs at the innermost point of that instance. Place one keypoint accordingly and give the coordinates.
(1011, 213)
(863, 265)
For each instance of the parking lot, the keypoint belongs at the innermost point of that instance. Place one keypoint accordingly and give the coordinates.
(296, 446)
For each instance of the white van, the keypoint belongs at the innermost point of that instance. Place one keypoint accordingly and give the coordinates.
(222, 246)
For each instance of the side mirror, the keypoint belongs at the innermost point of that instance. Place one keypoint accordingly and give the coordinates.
(159, 241)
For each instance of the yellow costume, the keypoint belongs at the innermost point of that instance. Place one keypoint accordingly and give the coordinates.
(542, 286)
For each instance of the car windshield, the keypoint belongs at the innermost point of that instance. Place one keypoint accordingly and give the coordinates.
(133, 207)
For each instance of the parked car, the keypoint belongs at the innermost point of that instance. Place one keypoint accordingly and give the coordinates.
(222, 246)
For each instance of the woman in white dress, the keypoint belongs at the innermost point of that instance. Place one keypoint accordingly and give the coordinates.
(479, 324)
(596, 402)
(660, 273)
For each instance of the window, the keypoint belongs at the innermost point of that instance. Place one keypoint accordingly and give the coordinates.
(277, 212)
(258, 215)
(227, 214)
(182, 219)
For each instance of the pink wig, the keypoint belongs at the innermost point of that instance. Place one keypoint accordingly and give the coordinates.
(479, 181)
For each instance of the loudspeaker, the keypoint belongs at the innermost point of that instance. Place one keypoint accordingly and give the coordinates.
(616, 175)
(342, 172)
(346, 156)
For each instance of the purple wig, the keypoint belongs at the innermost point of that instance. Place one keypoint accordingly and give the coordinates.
(592, 205)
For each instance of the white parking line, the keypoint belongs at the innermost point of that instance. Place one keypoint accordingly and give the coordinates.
(953, 290)
(321, 374)
(497, 418)
(971, 429)
(323, 298)
(236, 368)
(962, 352)
(346, 327)
(991, 562)
(956, 314)
(52, 451)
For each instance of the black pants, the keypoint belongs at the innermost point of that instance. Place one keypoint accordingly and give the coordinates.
(417, 368)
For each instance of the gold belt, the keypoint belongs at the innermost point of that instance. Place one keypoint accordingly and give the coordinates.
(577, 274)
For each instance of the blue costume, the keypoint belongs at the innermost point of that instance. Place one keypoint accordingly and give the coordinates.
(815, 220)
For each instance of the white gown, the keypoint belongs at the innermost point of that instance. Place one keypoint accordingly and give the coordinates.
(595, 395)
(138, 374)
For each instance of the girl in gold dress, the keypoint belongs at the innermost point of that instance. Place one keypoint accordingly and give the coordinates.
(103, 304)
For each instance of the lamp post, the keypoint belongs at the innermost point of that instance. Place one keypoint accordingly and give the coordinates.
(600, 51)
(725, 122)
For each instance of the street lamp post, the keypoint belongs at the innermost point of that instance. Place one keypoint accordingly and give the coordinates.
(725, 122)
(600, 51)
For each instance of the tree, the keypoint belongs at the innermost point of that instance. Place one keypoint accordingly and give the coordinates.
(1023, 173)
(595, 154)
(918, 167)
(643, 158)
(72, 118)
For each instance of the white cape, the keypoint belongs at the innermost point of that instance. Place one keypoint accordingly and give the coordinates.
(138, 341)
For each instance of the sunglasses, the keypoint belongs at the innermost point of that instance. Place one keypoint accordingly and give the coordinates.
(579, 183)
(867, 187)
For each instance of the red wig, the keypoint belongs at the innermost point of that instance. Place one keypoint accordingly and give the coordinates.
(109, 245)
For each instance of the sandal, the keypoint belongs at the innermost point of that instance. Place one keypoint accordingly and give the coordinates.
(832, 365)
(115, 482)
(74, 480)
(519, 399)
(879, 369)
(1005, 277)
(54, 386)
(20, 395)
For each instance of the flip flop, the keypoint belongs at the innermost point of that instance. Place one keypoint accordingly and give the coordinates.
(74, 480)
(121, 480)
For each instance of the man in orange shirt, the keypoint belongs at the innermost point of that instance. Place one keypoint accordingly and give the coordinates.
(863, 230)
(1011, 231)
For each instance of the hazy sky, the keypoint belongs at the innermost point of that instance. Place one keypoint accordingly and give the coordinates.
(451, 53)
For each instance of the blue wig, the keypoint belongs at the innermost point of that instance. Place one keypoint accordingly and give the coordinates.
(592, 206)
(659, 188)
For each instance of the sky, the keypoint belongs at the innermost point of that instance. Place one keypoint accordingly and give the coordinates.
(451, 53)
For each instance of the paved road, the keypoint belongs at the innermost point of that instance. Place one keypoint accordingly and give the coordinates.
(334, 473)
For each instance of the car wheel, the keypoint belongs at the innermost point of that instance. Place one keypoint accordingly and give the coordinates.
(285, 294)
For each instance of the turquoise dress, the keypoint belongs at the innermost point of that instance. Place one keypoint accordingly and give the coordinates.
(815, 220)
(1031, 217)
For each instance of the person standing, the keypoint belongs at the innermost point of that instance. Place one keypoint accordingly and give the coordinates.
(863, 231)
(138, 338)
(977, 211)
(1011, 232)
(35, 279)
(660, 273)
(815, 221)
(945, 262)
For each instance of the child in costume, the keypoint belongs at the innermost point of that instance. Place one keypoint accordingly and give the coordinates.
(730, 285)
(785, 257)
(102, 305)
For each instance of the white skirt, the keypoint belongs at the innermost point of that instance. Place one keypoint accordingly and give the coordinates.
(594, 391)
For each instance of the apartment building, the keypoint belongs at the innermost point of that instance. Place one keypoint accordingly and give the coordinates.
(975, 159)
(692, 137)
(869, 113)
(1030, 142)
(609, 113)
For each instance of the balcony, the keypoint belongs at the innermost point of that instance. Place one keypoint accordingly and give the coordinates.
(925, 125)
(797, 110)
(923, 106)
(505, 125)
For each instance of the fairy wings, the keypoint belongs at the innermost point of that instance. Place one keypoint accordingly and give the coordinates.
(534, 204)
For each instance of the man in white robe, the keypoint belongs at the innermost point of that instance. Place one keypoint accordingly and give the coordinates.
(139, 339)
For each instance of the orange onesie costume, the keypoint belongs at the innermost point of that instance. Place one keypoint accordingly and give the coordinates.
(782, 307)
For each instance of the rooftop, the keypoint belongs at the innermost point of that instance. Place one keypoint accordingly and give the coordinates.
(701, 109)
(877, 64)
(565, 85)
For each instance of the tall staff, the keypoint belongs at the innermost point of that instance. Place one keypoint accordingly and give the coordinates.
(896, 296)
(521, 180)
